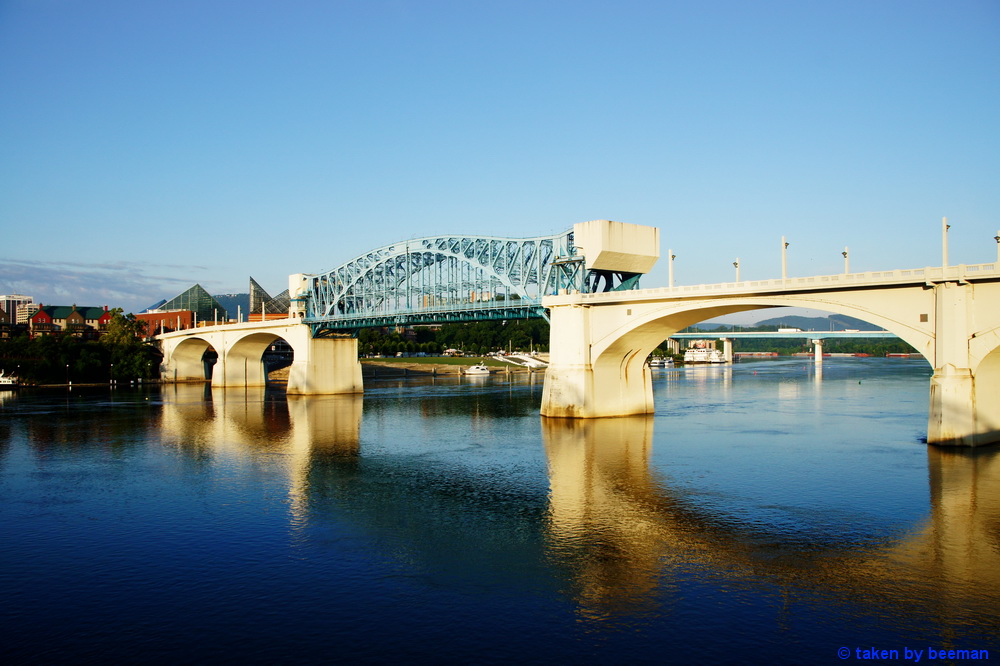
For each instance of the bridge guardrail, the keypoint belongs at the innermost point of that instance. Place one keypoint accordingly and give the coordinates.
(927, 274)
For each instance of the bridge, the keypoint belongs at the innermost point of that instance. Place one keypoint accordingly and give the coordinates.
(603, 327)
(817, 337)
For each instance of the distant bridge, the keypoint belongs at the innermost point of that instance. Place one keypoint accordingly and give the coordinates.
(811, 335)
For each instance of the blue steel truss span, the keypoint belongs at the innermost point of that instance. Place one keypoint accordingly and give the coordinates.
(441, 279)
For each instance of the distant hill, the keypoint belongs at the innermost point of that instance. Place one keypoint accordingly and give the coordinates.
(833, 322)
(233, 303)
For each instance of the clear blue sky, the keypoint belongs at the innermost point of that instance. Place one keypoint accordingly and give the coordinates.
(146, 146)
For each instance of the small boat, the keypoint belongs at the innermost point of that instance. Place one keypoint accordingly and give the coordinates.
(704, 355)
(478, 369)
(7, 381)
(660, 362)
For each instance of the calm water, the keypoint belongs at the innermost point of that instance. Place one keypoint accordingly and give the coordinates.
(763, 514)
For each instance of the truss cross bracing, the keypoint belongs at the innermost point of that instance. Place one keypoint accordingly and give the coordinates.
(440, 279)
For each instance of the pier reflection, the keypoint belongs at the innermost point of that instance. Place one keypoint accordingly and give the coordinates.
(621, 534)
(613, 530)
(254, 424)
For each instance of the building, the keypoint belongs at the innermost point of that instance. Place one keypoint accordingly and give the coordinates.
(72, 319)
(166, 321)
(204, 307)
(263, 306)
(10, 303)
(24, 312)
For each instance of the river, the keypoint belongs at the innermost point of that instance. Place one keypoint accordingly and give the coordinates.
(764, 513)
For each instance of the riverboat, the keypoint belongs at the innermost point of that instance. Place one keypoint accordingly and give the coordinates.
(478, 369)
(704, 355)
(7, 381)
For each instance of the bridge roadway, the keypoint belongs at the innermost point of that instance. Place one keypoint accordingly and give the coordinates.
(599, 341)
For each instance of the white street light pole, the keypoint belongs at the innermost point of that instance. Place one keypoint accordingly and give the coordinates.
(784, 259)
(847, 260)
(736, 264)
(944, 241)
(670, 268)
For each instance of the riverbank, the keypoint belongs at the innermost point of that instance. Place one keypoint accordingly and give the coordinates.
(433, 366)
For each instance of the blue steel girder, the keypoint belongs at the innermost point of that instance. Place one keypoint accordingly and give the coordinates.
(438, 274)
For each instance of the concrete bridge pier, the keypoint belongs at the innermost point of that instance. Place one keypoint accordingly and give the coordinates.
(818, 351)
(328, 365)
(580, 386)
(965, 387)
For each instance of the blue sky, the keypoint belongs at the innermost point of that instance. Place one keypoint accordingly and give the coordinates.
(146, 146)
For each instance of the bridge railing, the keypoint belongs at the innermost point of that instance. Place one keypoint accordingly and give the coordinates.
(928, 274)
(456, 312)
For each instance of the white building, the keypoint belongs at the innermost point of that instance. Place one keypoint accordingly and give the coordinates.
(11, 303)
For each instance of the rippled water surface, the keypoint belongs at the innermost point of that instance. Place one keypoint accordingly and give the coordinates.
(763, 514)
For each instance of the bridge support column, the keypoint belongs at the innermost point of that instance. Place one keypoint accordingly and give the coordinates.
(325, 366)
(578, 386)
(818, 351)
(727, 349)
(958, 417)
(953, 414)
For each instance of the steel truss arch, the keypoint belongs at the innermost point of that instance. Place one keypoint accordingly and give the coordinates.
(416, 278)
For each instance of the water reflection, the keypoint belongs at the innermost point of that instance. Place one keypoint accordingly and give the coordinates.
(622, 535)
(616, 532)
(598, 528)
(253, 423)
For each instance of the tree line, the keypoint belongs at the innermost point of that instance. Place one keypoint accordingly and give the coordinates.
(473, 338)
(119, 354)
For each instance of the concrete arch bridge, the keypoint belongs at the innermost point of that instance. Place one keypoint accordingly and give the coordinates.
(599, 342)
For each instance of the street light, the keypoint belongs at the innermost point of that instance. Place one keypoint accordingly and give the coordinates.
(670, 268)
(736, 264)
(784, 259)
(847, 261)
(997, 239)
(944, 241)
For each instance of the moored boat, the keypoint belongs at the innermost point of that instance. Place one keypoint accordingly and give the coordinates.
(704, 355)
(7, 381)
(478, 369)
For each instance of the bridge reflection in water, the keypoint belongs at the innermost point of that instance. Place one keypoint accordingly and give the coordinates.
(614, 534)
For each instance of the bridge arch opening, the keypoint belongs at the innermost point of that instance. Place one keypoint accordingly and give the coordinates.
(251, 359)
(194, 359)
(626, 349)
(987, 384)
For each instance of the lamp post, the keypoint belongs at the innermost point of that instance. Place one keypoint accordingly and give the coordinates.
(944, 241)
(784, 259)
(736, 264)
(670, 268)
(847, 261)
(997, 239)
(112, 376)
(67, 375)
